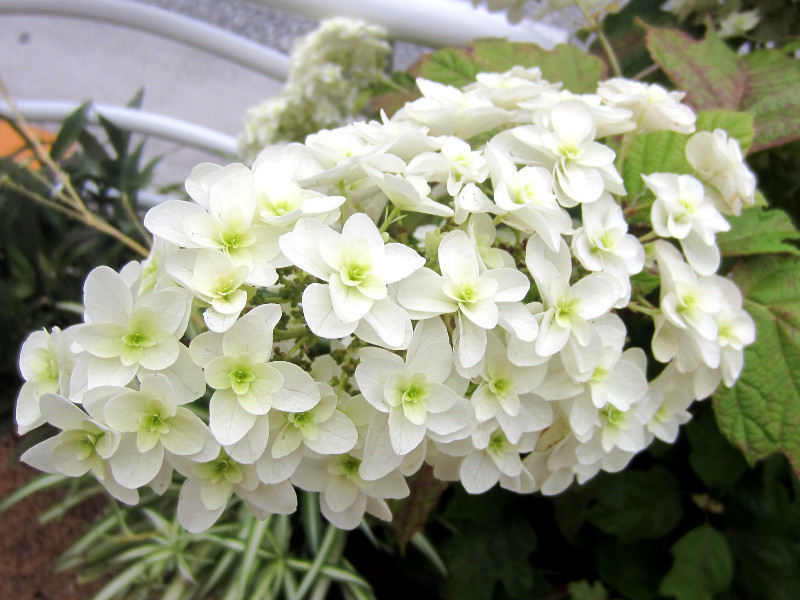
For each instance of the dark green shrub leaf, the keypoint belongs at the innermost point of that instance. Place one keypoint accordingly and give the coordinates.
(449, 66)
(70, 131)
(713, 459)
(737, 124)
(637, 504)
(703, 566)
(579, 71)
(758, 231)
(761, 413)
(765, 83)
(656, 152)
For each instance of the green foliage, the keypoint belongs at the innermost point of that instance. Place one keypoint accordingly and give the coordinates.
(765, 83)
(656, 152)
(579, 71)
(761, 414)
(583, 590)
(759, 231)
(491, 546)
(642, 505)
(717, 463)
(45, 254)
(738, 125)
(703, 566)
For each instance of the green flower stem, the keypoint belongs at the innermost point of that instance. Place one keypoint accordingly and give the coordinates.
(645, 310)
(288, 334)
(597, 26)
(648, 237)
(627, 139)
(395, 212)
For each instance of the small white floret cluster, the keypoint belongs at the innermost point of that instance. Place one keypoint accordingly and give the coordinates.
(330, 70)
(451, 287)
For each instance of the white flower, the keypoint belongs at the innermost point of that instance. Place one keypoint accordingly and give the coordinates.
(718, 161)
(497, 460)
(582, 168)
(567, 309)
(322, 429)
(653, 107)
(152, 423)
(460, 168)
(413, 393)
(446, 110)
(682, 211)
(213, 278)
(209, 486)
(224, 220)
(602, 244)
(124, 331)
(280, 201)
(45, 364)
(481, 301)
(738, 22)
(83, 445)
(525, 198)
(357, 266)
(344, 495)
(504, 394)
(247, 385)
(687, 329)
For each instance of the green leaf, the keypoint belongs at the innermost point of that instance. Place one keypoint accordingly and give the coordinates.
(583, 590)
(635, 569)
(703, 566)
(449, 66)
(707, 70)
(411, 513)
(765, 83)
(491, 545)
(737, 124)
(758, 231)
(773, 97)
(761, 413)
(713, 459)
(70, 131)
(579, 71)
(638, 505)
(656, 152)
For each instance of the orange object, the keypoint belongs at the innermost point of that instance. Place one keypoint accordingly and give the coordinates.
(12, 145)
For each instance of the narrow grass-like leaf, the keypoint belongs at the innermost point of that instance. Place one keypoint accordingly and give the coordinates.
(331, 535)
(70, 131)
(312, 520)
(42, 482)
(421, 543)
(121, 581)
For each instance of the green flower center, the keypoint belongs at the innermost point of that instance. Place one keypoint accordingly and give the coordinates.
(500, 386)
(614, 417)
(497, 443)
(138, 339)
(225, 285)
(415, 393)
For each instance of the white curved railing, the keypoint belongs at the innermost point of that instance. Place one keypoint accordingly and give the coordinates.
(163, 23)
(140, 121)
(431, 23)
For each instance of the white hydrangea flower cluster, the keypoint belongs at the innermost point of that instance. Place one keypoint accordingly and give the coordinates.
(451, 287)
(329, 71)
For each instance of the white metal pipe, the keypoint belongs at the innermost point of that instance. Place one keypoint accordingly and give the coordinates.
(140, 121)
(433, 23)
(163, 23)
